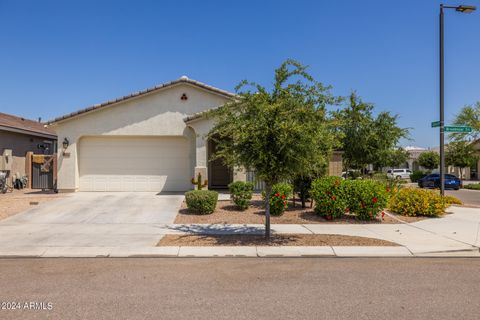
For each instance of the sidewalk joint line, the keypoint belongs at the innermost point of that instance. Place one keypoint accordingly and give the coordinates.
(305, 226)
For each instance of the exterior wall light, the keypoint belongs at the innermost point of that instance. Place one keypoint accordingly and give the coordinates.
(65, 144)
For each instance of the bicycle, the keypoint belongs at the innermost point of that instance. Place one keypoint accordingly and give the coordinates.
(4, 186)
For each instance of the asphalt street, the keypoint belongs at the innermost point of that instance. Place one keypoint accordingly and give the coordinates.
(241, 288)
(468, 197)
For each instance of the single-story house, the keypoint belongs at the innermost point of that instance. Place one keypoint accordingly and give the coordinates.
(152, 140)
(19, 136)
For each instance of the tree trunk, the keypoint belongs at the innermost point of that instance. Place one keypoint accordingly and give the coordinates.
(294, 196)
(268, 192)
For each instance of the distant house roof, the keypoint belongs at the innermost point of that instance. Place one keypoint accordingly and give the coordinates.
(183, 79)
(13, 123)
(414, 148)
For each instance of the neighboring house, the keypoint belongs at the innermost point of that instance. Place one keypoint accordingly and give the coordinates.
(468, 173)
(21, 135)
(413, 154)
(412, 161)
(152, 140)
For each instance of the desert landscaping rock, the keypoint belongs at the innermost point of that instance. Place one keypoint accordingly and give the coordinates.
(227, 213)
(275, 240)
(20, 200)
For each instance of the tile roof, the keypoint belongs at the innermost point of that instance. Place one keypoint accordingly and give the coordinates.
(183, 79)
(8, 121)
(195, 116)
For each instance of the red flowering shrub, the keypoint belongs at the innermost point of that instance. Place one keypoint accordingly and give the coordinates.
(328, 196)
(365, 198)
(279, 197)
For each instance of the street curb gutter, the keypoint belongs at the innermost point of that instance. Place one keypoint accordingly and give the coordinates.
(229, 252)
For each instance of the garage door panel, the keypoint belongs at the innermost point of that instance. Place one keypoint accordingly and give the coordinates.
(134, 164)
(96, 153)
(145, 170)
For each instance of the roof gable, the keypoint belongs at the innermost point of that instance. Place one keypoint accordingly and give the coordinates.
(181, 80)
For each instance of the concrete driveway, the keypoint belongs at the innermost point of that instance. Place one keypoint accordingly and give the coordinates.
(98, 219)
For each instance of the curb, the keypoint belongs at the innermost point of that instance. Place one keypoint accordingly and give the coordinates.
(230, 252)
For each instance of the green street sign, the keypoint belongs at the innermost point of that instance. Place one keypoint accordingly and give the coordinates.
(457, 129)
(435, 124)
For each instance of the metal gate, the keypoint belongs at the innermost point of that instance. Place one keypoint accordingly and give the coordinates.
(42, 171)
(258, 185)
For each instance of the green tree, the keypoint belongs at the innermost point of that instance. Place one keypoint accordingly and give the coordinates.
(468, 116)
(279, 133)
(460, 154)
(392, 158)
(366, 139)
(429, 160)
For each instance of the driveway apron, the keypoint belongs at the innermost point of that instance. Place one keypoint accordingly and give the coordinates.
(99, 219)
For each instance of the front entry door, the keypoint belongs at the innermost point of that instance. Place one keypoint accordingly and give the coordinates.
(220, 175)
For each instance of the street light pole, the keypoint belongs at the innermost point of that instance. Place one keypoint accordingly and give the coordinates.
(463, 9)
(442, 107)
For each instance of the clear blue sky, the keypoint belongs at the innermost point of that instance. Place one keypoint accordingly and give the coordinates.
(60, 56)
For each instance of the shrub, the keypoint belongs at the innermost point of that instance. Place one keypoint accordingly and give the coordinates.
(418, 202)
(451, 200)
(473, 186)
(328, 196)
(201, 201)
(279, 198)
(302, 187)
(241, 193)
(417, 175)
(381, 176)
(392, 186)
(365, 198)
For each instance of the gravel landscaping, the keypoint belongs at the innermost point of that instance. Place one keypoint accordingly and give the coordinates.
(17, 201)
(227, 213)
(275, 240)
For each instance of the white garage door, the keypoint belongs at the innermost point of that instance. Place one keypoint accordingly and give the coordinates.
(134, 164)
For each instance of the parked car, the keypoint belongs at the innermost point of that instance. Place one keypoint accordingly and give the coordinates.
(399, 173)
(433, 181)
(354, 174)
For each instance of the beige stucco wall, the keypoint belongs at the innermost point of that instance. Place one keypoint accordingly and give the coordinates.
(159, 113)
(335, 165)
(201, 127)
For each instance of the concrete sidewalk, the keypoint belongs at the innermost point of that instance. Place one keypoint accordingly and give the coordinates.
(457, 234)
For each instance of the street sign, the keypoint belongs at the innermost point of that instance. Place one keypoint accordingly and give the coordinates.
(435, 124)
(457, 129)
